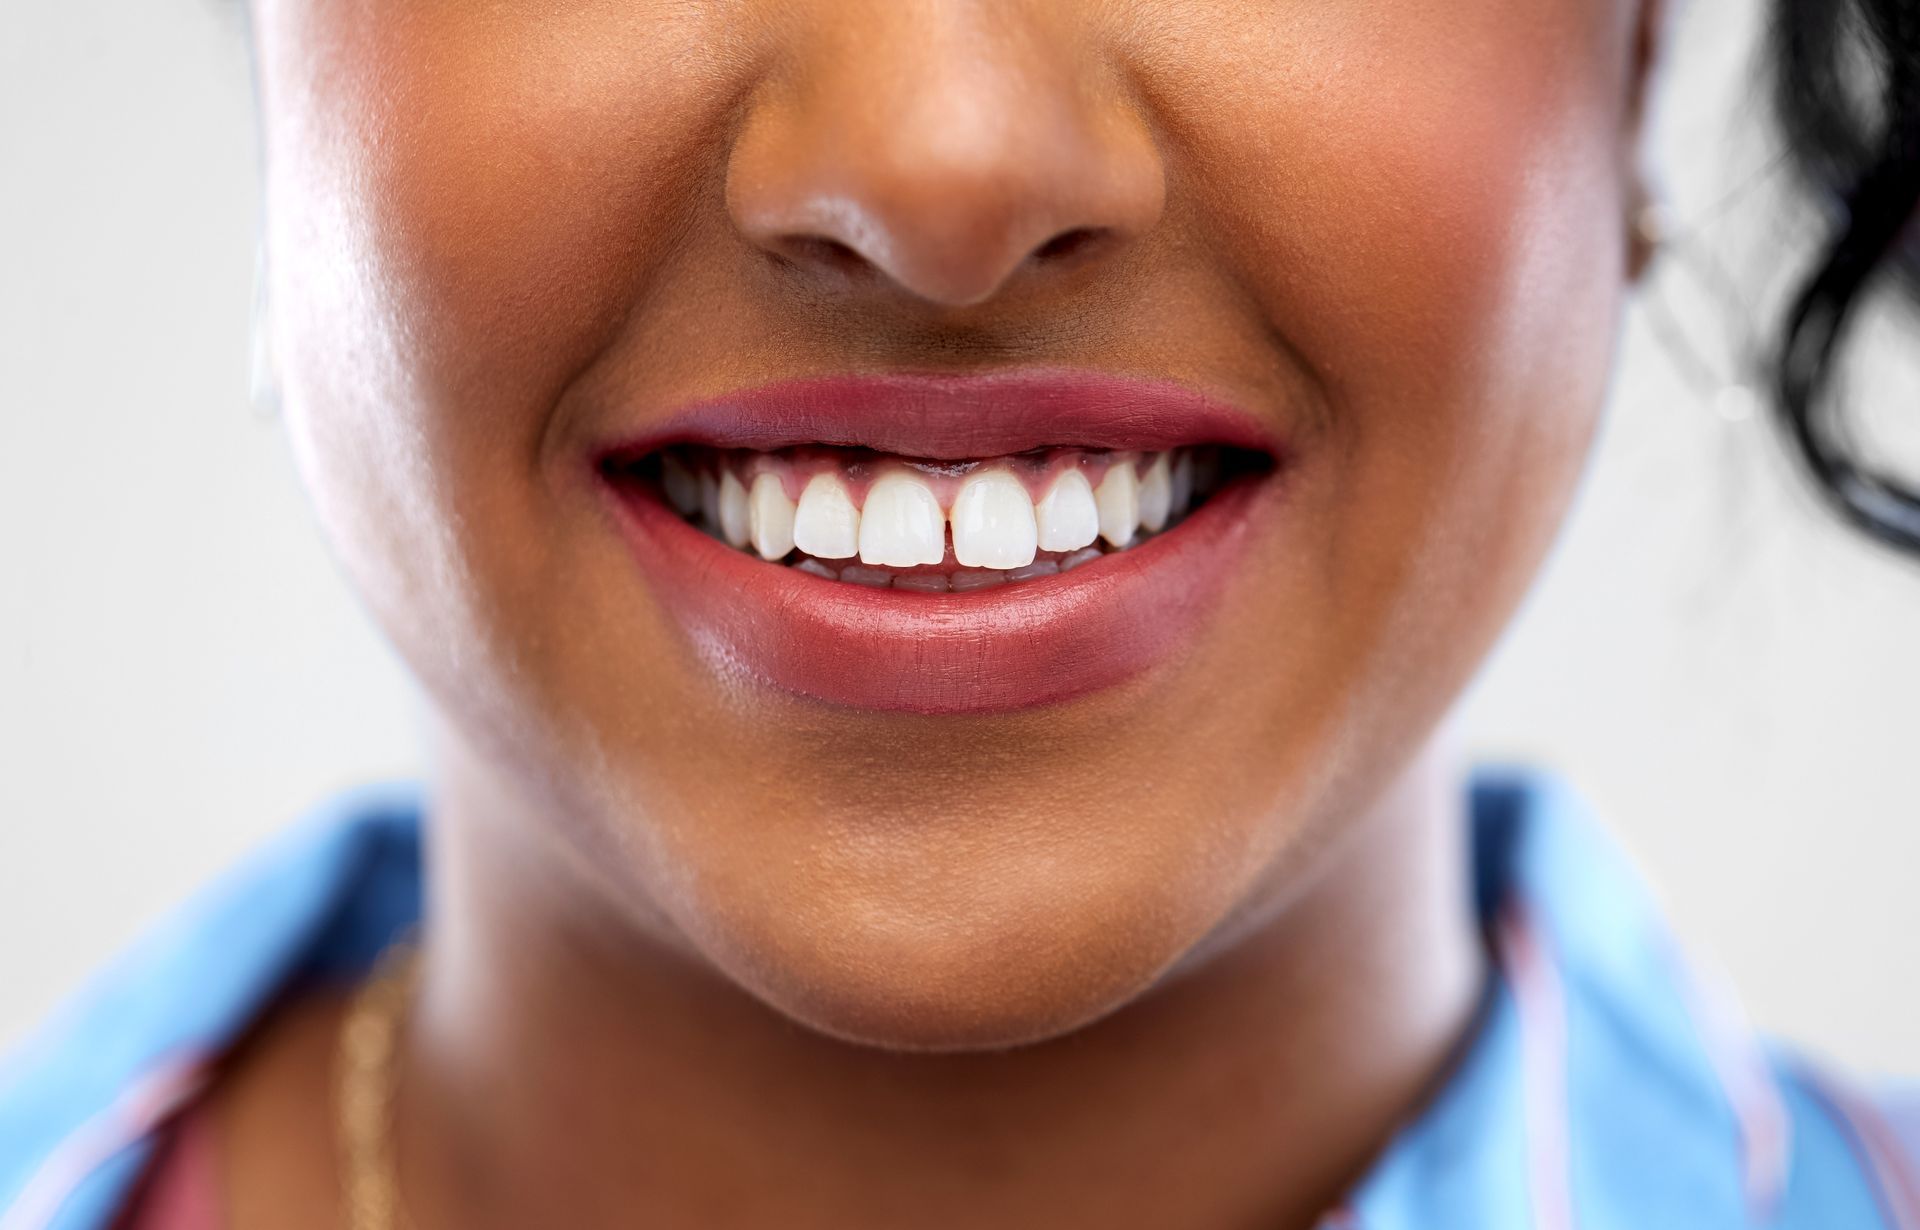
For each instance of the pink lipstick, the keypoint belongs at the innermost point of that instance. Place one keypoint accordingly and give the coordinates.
(942, 544)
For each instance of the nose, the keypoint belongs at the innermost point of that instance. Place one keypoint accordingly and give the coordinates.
(941, 144)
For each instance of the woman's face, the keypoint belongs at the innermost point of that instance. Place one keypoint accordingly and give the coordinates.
(518, 250)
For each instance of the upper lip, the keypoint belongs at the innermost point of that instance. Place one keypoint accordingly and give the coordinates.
(953, 417)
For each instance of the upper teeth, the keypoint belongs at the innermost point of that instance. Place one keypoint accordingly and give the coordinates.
(1118, 500)
(1156, 495)
(770, 516)
(994, 522)
(734, 525)
(1068, 518)
(901, 524)
(826, 524)
(903, 519)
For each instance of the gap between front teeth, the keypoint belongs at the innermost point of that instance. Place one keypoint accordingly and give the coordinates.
(999, 529)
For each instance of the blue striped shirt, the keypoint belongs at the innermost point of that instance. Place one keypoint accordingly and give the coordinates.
(1607, 1085)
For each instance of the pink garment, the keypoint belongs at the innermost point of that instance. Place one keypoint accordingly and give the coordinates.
(181, 1189)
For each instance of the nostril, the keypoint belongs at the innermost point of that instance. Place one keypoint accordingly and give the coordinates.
(1067, 243)
(832, 253)
(822, 251)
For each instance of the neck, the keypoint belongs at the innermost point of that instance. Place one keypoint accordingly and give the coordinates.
(562, 1071)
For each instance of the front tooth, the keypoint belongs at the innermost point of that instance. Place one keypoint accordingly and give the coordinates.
(1156, 494)
(770, 514)
(733, 510)
(901, 524)
(683, 489)
(1067, 516)
(993, 522)
(1118, 498)
(827, 524)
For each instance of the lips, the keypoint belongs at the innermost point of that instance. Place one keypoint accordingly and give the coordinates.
(1065, 607)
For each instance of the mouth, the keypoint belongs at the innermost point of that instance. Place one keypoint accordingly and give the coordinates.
(933, 527)
(942, 544)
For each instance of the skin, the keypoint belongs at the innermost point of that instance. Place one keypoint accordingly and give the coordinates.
(1182, 952)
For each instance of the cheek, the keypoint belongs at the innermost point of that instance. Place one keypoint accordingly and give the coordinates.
(465, 205)
(1431, 211)
(1428, 215)
(490, 180)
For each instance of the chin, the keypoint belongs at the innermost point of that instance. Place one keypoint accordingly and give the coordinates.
(935, 974)
(976, 1002)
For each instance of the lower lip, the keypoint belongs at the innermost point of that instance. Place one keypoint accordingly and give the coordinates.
(1015, 646)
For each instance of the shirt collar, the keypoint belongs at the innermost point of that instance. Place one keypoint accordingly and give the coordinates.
(1605, 1085)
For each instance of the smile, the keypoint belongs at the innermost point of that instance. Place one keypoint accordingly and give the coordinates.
(930, 527)
(942, 544)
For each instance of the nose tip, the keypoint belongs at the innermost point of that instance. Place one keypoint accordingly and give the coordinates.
(946, 175)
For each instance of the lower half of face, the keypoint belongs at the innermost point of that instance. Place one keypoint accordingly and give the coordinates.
(942, 660)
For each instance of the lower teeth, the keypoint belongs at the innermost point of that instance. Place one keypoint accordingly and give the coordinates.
(935, 581)
(941, 580)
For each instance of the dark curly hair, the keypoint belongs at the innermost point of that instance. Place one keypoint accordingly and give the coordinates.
(1846, 93)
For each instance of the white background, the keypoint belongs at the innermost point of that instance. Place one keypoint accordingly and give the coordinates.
(1730, 679)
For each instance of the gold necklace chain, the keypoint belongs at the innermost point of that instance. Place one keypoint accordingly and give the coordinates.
(365, 1080)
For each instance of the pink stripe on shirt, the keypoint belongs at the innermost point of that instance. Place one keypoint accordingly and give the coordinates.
(181, 1191)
